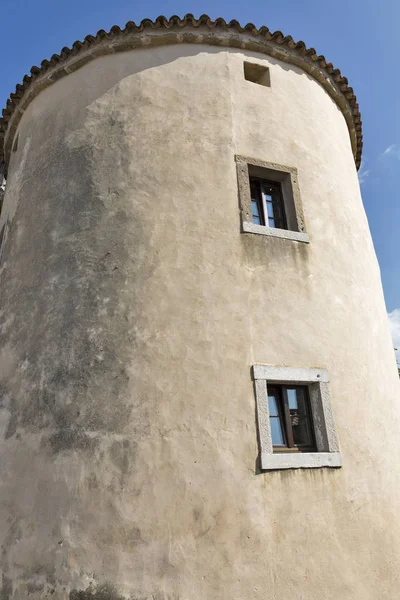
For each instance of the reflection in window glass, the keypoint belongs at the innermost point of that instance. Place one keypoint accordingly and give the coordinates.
(256, 207)
(290, 418)
(267, 203)
(255, 212)
(276, 431)
(275, 421)
(272, 198)
(299, 416)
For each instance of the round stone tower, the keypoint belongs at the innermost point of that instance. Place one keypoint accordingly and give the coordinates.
(199, 398)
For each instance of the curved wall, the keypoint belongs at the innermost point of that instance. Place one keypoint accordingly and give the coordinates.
(132, 309)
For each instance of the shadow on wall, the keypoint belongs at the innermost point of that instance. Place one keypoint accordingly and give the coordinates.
(111, 70)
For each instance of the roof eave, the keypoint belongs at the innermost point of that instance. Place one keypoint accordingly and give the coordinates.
(174, 31)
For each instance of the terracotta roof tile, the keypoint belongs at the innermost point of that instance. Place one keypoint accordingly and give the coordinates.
(264, 42)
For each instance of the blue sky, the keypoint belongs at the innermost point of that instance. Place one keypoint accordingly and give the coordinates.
(359, 37)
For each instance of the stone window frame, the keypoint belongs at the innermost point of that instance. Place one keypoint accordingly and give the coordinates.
(328, 453)
(288, 177)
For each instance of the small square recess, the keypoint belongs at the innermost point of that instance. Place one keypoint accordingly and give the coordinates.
(257, 74)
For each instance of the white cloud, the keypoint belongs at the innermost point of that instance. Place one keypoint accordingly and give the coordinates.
(389, 149)
(394, 323)
(392, 151)
(363, 172)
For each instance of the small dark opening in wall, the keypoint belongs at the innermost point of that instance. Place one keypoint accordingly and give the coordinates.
(15, 146)
(257, 74)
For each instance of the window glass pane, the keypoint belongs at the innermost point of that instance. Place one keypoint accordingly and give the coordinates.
(299, 416)
(279, 222)
(276, 431)
(272, 198)
(292, 397)
(278, 438)
(255, 212)
(267, 203)
(272, 405)
(267, 191)
(254, 190)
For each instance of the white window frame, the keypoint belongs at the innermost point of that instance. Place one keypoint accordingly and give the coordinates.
(327, 453)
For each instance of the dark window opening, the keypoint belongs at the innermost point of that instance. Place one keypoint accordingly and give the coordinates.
(267, 203)
(290, 418)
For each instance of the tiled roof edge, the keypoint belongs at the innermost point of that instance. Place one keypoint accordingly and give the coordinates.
(186, 30)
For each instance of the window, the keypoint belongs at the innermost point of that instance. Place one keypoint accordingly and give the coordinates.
(295, 418)
(290, 419)
(269, 199)
(257, 73)
(267, 203)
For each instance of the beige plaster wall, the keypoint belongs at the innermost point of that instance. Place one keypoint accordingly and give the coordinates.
(132, 309)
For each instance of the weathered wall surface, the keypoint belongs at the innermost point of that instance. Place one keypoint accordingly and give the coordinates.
(131, 311)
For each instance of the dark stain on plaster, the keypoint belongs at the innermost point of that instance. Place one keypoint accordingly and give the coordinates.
(6, 588)
(67, 291)
(13, 536)
(120, 453)
(102, 592)
(92, 482)
(34, 587)
(71, 437)
(12, 423)
(256, 248)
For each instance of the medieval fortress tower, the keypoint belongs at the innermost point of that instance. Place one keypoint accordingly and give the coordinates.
(198, 393)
